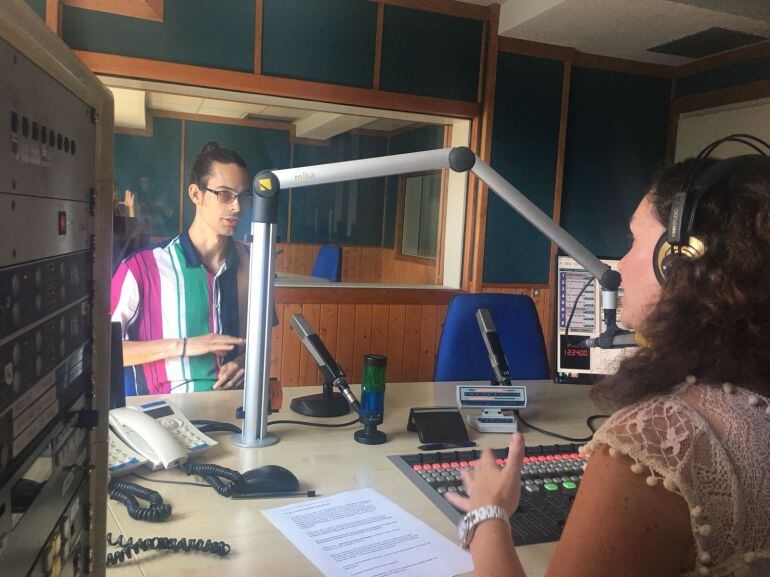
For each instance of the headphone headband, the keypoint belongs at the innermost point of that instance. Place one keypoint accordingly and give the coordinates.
(679, 240)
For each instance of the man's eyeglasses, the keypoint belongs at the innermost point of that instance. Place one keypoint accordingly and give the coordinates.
(228, 196)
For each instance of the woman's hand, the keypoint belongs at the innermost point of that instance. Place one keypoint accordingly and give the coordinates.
(231, 374)
(212, 343)
(488, 484)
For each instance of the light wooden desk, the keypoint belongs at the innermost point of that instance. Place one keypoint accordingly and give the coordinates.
(326, 460)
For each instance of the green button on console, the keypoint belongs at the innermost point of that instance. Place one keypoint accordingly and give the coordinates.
(551, 487)
(569, 485)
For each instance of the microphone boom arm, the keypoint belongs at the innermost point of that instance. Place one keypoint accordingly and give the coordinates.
(268, 183)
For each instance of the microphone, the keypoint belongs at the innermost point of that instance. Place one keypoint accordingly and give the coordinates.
(331, 371)
(494, 347)
(618, 340)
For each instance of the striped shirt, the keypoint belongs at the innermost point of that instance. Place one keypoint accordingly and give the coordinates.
(165, 292)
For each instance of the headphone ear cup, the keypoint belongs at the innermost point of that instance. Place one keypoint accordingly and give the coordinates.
(663, 258)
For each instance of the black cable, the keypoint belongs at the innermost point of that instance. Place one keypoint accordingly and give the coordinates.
(211, 474)
(130, 547)
(574, 306)
(312, 424)
(169, 482)
(127, 493)
(589, 424)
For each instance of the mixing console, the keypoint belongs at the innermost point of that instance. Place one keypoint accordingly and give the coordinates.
(550, 477)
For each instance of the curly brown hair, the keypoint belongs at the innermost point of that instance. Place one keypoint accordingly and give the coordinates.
(713, 315)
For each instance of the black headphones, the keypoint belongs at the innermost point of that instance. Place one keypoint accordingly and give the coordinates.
(680, 239)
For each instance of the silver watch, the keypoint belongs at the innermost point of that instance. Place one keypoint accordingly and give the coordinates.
(467, 525)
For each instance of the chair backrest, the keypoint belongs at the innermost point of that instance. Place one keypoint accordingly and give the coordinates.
(328, 263)
(462, 355)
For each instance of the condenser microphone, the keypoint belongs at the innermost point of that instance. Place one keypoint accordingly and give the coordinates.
(494, 347)
(331, 371)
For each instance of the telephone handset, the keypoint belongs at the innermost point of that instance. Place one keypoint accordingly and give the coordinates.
(159, 432)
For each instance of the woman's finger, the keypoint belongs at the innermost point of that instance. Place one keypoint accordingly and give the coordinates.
(516, 450)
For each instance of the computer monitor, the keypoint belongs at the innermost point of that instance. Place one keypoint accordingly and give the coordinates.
(574, 364)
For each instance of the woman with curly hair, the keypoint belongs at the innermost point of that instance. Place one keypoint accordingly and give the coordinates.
(678, 480)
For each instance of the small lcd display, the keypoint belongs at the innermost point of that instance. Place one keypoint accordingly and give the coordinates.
(163, 411)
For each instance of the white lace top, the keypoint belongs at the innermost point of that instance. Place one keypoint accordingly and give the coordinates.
(710, 445)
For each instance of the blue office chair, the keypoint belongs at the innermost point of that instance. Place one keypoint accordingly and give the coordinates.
(462, 355)
(328, 263)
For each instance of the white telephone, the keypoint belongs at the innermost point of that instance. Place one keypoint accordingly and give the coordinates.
(158, 432)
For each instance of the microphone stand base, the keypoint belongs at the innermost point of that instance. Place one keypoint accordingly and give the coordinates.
(321, 405)
(239, 441)
(367, 436)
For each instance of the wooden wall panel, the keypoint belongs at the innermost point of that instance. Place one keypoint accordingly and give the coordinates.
(308, 369)
(411, 359)
(290, 349)
(346, 327)
(428, 342)
(363, 339)
(395, 354)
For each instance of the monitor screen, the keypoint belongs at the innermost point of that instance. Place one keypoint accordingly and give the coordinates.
(579, 365)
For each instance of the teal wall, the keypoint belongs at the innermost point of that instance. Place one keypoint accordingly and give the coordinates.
(330, 41)
(150, 168)
(261, 149)
(215, 33)
(430, 54)
(38, 6)
(524, 151)
(616, 139)
(724, 77)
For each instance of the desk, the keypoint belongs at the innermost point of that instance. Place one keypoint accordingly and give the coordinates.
(328, 461)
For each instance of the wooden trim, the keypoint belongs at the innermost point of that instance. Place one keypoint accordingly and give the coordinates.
(449, 7)
(482, 54)
(378, 46)
(365, 296)
(537, 49)
(182, 179)
(111, 64)
(561, 150)
(414, 259)
(147, 131)
(309, 141)
(290, 199)
(485, 151)
(439, 278)
(470, 211)
(583, 60)
(251, 122)
(758, 50)
(740, 93)
(144, 9)
(673, 122)
(620, 65)
(53, 15)
(258, 23)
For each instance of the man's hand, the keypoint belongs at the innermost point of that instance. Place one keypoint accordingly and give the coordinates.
(129, 202)
(231, 374)
(212, 343)
(491, 485)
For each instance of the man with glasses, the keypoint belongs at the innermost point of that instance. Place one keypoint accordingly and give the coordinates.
(177, 301)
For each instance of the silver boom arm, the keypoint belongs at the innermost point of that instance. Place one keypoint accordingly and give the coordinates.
(262, 259)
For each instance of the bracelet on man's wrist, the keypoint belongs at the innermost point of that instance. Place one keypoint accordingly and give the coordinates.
(184, 347)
